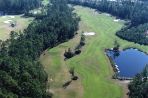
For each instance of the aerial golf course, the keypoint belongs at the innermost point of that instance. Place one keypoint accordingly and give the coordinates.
(92, 65)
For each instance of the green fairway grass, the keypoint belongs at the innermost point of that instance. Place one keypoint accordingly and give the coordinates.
(92, 65)
(5, 29)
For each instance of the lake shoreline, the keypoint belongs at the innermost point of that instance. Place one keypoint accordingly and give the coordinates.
(117, 58)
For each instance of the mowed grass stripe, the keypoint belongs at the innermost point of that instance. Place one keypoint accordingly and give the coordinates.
(92, 65)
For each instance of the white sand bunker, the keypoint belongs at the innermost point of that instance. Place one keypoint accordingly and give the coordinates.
(116, 20)
(8, 21)
(11, 16)
(107, 14)
(89, 33)
(35, 12)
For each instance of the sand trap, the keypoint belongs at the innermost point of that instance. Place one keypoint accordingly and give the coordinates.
(7, 21)
(107, 14)
(126, 81)
(11, 16)
(89, 33)
(116, 20)
(35, 12)
(51, 79)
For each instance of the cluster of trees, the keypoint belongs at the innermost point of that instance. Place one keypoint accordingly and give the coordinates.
(18, 6)
(137, 34)
(21, 74)
(116, 46)
(69, 54)
(139, 86)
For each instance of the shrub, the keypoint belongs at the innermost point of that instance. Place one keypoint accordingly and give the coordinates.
(77, 52)
(68, 54)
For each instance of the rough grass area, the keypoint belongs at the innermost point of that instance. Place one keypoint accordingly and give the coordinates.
(92, 65)
(5, 29)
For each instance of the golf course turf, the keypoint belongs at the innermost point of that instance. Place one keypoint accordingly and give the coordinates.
(92, 65)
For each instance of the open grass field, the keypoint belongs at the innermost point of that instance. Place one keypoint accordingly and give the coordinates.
(5, 28)
(92, 65)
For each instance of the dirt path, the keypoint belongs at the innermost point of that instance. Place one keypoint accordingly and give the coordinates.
(124, 85)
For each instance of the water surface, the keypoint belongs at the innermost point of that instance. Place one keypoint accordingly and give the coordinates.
(129, 62)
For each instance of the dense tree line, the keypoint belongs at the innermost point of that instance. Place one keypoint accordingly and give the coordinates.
(21, 74)
(18, 6)
(139, 86)
(134, 10)
(137, 34)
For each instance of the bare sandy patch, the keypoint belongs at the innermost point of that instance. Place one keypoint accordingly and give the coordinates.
(89, 33)
(8, 21)
(116, 20)
(11, 16)
(106, 14)
(124, 85)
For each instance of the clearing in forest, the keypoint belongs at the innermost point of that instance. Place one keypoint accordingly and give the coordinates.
(6, 22)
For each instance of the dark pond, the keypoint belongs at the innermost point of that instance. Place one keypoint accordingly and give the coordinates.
(129, 62)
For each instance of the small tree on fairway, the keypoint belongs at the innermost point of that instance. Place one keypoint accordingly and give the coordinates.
(72, 72)
(82, 40)
(69, 53)
(116, 46)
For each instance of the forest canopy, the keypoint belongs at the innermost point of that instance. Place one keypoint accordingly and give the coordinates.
(21, 74)
(135, 34)
(136, 11)
(139, 86)
(18, 6)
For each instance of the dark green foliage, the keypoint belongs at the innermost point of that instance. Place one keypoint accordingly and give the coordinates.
(136, 11)
(81, 44)
(21, 75)
(116, 46)
(77, 52)
(18, 6)
(138, 34)
(82, 40)
(139, 86)
(75, 78)
(68, 54)
(145, 71)
(72, 72)
(65, 85)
